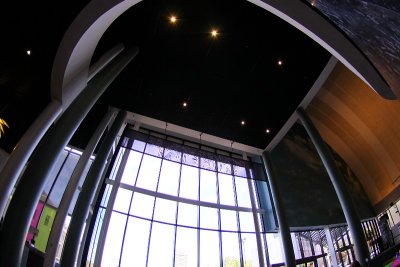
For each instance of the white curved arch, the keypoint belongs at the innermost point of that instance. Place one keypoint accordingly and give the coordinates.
(71, 64)
(70, 69)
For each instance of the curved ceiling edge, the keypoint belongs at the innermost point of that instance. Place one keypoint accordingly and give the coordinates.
(304, 18)
(71, 64)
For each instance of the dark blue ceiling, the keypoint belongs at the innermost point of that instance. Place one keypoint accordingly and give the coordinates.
(225, 80)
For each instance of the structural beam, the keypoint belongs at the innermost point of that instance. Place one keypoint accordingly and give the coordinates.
(350, 213)
(284, 229)
(81, 210)
(33, 180)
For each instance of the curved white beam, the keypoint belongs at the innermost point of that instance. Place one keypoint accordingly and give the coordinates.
(73, 57)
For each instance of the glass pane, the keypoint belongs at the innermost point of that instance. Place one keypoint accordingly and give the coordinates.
(189, 183)
(53, 173)
(186, 247)
(77, 191)
(112, 247)
(187, 214)
(224, 168)
(249, 248)
(62, 180)
(274, 248)
(242, 192)
(207, 164)
(154, 150)
(296, 245)
(190, 160)
(169, 178)
(226, 190)
(208, 186)
(209, 248)
(230, 250)
(106, 196)
(172, 155)
(246, 221)
(161, 251)
(131, 168)
(165, 210)
(117, 163)
(149, 171)
(228, 220)
(122, 200)
(306, 246)
(142, 205)
(138, 145)
(94, 240)
(208, 218)
(239, 171)
(134, 252)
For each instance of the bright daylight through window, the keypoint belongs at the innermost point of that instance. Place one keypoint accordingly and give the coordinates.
(169, 204)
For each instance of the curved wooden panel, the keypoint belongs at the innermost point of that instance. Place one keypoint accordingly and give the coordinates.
(363, 128)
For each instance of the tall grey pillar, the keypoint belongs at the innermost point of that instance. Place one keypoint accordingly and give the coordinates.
(62, 211)
(21, 153)
(284, 229)
(29, 189)
(350, 213)
(85, 198)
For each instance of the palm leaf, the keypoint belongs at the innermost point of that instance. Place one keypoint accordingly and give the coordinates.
(3, 125)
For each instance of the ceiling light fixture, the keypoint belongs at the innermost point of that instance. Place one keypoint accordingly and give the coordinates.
(172, 19)
(184, 104)
(28, 52)
(242, 123)
(280, 62)
(267, 130)
(214, 33)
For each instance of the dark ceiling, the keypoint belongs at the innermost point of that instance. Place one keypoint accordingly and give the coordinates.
(224, 80)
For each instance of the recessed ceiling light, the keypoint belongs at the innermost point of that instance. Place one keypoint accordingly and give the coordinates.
(242, 123)
(214, 33)
(184, 104)
(28, 52)
(172, 19)
(280, 62)
(267, 130)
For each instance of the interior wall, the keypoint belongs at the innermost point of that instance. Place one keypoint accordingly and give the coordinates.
(363, 128)
(308, 194)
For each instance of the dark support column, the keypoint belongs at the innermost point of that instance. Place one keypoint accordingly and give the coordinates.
(350, 213)
(33, 180)
(62, 211)
(284, 229)
(81, 210)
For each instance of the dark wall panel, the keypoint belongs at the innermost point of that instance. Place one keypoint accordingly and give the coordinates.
(307, 191)
(374, 26)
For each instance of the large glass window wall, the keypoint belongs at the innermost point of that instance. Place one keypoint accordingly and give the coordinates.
(166, 204)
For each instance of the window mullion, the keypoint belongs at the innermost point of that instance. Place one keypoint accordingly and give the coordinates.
(152, 216)
(107, 215)
(255, 217)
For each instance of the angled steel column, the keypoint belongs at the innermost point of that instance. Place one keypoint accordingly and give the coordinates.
(62, 211)
(350, 213)
(28, 142)
(85, 198)
(284, 229)
(29, 189)
(20, 155)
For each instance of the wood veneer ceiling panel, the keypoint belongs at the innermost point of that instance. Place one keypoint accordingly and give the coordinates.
(368, 124)
(341, 128)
